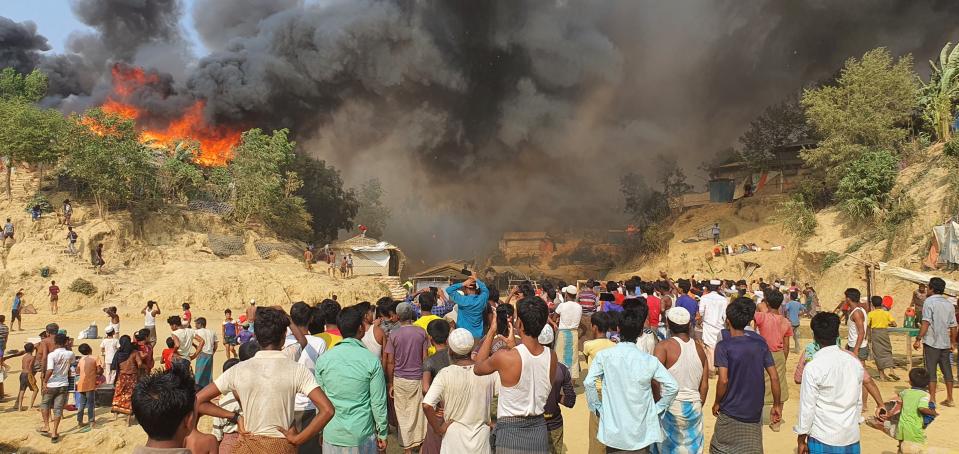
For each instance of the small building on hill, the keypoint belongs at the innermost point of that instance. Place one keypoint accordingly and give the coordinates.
(371, 257)
(515, 245)
(441, 275)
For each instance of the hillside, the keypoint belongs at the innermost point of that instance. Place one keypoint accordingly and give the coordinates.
(833, 259)
(174, 256)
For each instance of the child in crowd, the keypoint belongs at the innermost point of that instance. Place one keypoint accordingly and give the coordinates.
(86, 387)
(225, 430)
(917, 412)
(167, 354)
(245, 334)
(163, 403)
(230, 331)
(28, 376)
(187, 317)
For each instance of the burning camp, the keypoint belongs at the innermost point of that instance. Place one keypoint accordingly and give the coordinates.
(364, 226)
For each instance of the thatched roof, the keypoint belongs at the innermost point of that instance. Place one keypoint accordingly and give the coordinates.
(524, 236)
(451, 269)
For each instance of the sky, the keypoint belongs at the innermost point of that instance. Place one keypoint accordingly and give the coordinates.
(55, 20)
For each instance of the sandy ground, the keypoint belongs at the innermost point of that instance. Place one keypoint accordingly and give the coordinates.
(113, 436)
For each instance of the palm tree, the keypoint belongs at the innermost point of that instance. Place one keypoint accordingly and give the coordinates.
(938, 97)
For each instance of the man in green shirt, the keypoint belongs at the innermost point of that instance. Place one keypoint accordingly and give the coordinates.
(353, 379)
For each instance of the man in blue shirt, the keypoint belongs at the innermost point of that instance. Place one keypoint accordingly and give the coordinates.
(741, 360)
(791, 310)
(629, 418)
(15, 312)
(470, 304)
(687, 302)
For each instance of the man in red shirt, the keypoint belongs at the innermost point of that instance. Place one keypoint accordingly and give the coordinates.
(776, 330)
(54, 297)
(654, 303)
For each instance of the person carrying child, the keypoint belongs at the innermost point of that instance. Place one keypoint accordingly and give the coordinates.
(917, 412)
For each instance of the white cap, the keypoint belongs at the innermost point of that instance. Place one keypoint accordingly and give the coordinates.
(252, 302)
(570, 289)
(715, 282)
(460, 341)
(546, 335)
(678, 315)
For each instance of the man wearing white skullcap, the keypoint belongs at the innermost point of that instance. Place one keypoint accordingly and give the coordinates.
(466, 399)
(712, 308)
(686, 362)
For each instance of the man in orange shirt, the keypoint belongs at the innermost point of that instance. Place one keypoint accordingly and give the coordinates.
(776, 330)
(86, 387)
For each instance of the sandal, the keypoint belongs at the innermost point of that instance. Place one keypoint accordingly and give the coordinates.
(45, 433)
(948, 403)
(55, 440)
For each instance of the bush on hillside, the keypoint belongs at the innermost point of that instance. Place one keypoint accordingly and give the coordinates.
(865, 184)
(40, 199)
(951, 148)
(83, 287)
(797, 218)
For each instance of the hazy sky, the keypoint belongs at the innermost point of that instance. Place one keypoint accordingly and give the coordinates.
(55, 20)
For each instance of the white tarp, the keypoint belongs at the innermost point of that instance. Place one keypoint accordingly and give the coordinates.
(378, 247)
(952, 287)
(947, 235)
(381, 258)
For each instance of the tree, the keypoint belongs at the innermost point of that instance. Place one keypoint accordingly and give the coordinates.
(644, 205)
(865, 110)
(27, 132)
(372, 212)
(108, 160)
(263, 190)
(331, 207)
(865, 186)
(179, 177)
(778, 125)
(672, 178)
(938, 97)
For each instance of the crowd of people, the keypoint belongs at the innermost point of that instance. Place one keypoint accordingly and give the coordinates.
(466, 369)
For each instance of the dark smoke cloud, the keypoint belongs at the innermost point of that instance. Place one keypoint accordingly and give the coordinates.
(219, 22)
(20, 45)
(503, 114)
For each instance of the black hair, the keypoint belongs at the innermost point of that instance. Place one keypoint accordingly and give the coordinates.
(142, 334)
(919, 377)
(774, 298)
(427, 301)
(549, 289)
(601, 321)
(503, 313)
(614, 319)
(937, 285)
(493, 293)
(174, 320)
(526, 288)
(228, 311)
(364, 306)
(330, 310)
(612, 286)
(60, 339)
(29, 347)
(349, 321)
(631, 325)
(186, 306)
(170, 343)
(853, 294)
(439, 330)
(52, 328)
(741, 312)
(317, 324)
(637, 305)
(646, 287)
(684, 285)
(85, 349)
(230, 363)
(607, 297)
(248, 350)
(533, 313)
(630, 286)
(201, 322)
(876, 301)
(270, 326)
(162, 400)
(825, 328)
(385, 306)
(662, 286)
(150, 304)
(300, 313)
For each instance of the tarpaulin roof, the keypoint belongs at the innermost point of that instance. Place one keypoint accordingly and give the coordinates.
(952, 287)
(947, 236)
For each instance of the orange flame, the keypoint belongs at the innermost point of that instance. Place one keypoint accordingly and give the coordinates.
(216, 142)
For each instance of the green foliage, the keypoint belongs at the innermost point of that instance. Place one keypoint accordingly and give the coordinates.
(938, 96)
(903, 209)
(332, 207)
(865, 110)
(31, 134)
(798, 218)
(39, 199)
(856, 245)
(814, 192)
(263, 191)
(778, 125)
(951, 148)
(651, 240)
(830, 260)
(644, 205)
(112, 165)
(672, 178)
(15, 86)
(866, 183)
(372, 212)
(179, 178)
(83, 287)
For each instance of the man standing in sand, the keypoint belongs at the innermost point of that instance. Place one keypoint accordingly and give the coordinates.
(937, 336)
(712, 311)
(405, 352)
(349, 265)
(15, 315)
(331, 263)
(54, 292)
(308, 259)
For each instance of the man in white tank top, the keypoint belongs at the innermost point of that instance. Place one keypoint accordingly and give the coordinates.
(685, 360)
(525, 373)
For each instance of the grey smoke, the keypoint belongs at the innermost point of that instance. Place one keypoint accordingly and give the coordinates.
(20, 45)
(501, 114)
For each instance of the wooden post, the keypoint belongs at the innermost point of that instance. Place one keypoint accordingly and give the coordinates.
(868, 281)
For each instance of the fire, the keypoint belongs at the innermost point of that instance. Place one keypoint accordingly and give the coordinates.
(216, 141)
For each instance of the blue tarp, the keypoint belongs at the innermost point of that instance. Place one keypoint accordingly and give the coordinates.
(722, 190)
